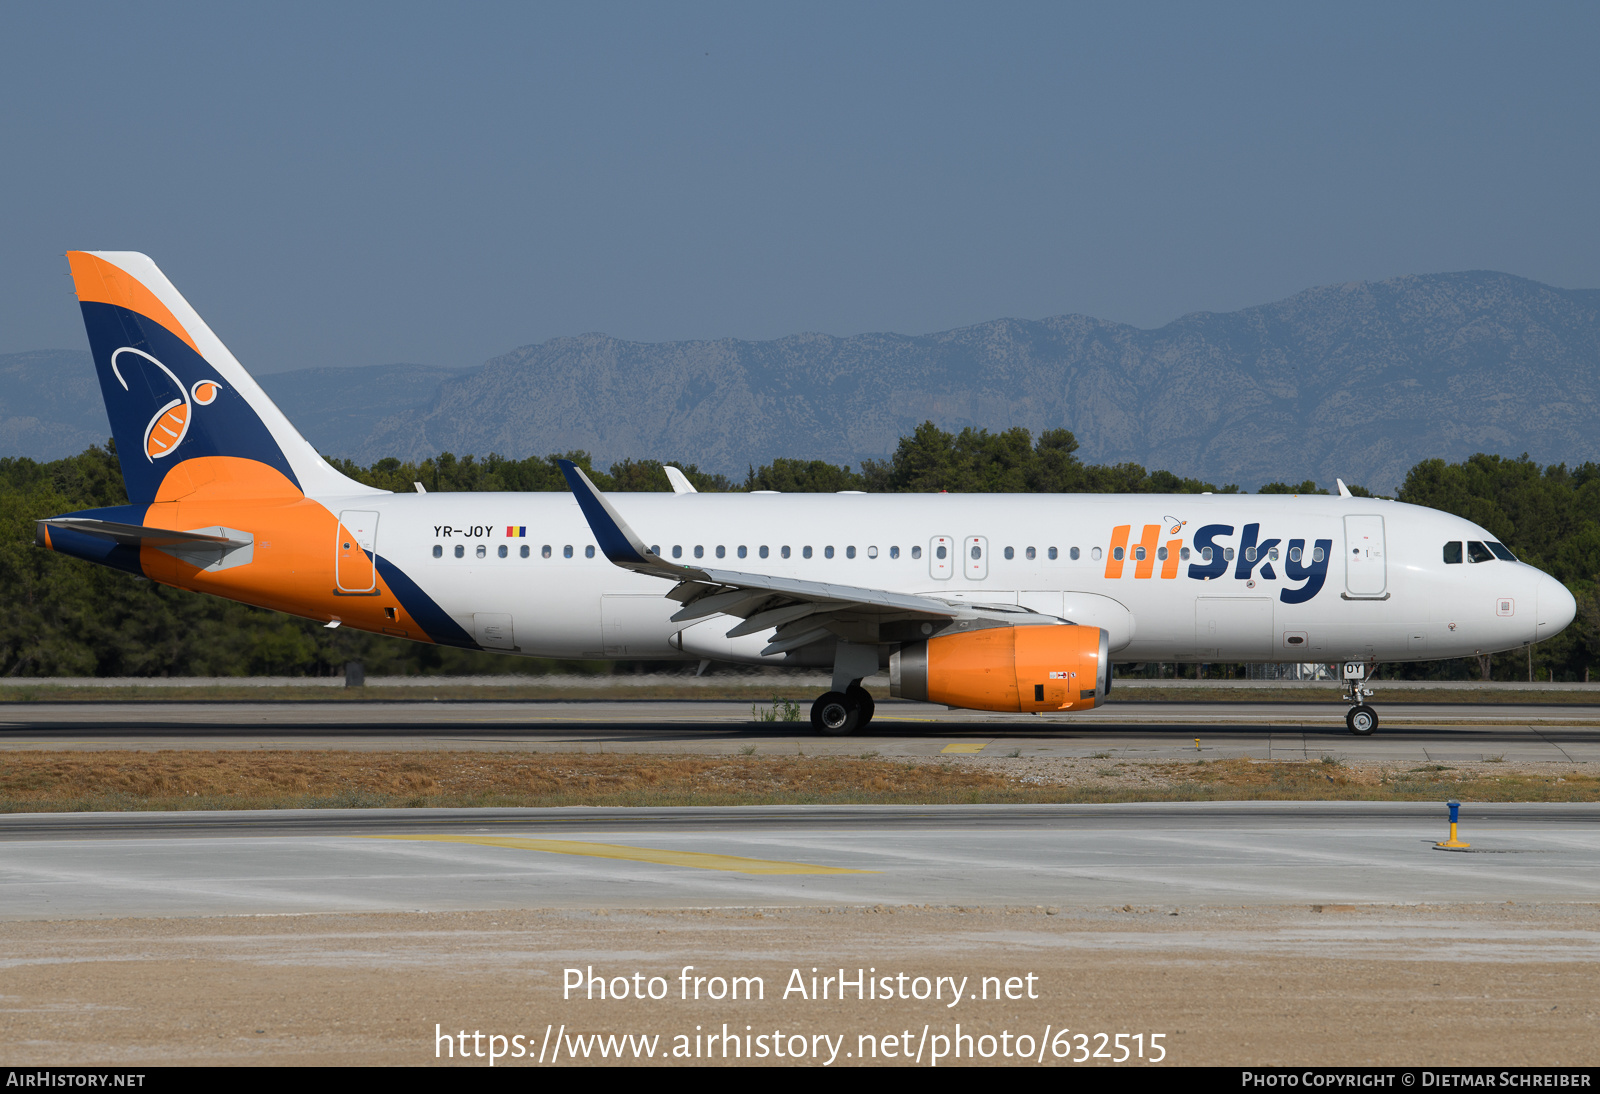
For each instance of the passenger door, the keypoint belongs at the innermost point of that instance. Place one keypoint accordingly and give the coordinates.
(355, 552)
(1365, 569)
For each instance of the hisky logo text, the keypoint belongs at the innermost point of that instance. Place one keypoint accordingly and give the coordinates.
(1252, 559)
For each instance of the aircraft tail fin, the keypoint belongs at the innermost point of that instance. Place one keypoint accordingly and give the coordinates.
(183, 411)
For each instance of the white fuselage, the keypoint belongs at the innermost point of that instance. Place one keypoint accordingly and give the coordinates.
(1386, 592)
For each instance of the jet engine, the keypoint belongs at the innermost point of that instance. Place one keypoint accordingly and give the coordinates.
(1043, 667)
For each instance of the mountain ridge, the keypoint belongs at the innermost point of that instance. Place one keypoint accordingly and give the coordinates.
(1360, 380)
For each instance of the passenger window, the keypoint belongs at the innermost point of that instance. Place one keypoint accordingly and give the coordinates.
(699, 551)
(1011, 552)
(1032, 554)
(483, 551)
(566, 552)
(677, 550)
(1205, 554)
(1501, 551)
(1477, 552)
(1161, 554)
(916, 552)
(1094, 553)
(438, 551)
(1249, 554)
(1116, 553)
(939, 553)
(872, 552)
(460, 551)
(785, 551)
(849, 552)
(894, 552)
(588, 552)
(743, 550)
(1452, 553)
(1272, 555)
(502, 552)
(977, 552)
(1316, 555)
(1138, 553)
(827, 552)
(544, 552)
(763, 551)
(1183, 553)
(805, 552)
(524, 551)
(1227, 553)
(655, 549)
(1294, 555)
(722, 552)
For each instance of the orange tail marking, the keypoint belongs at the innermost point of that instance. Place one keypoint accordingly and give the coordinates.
(1119, 541)
(1147, 564)
(98, 281)
(168, 428)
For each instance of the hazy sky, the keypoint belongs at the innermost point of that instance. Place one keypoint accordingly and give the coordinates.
(358, 184)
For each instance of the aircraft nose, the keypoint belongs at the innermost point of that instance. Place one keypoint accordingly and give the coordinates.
(1556, 609)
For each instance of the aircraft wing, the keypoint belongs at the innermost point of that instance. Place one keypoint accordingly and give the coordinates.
(135, 535)
(802, 611)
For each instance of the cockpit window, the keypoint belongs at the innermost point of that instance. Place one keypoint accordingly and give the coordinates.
(1452, 552)
(1477, 552)
(1501, 551)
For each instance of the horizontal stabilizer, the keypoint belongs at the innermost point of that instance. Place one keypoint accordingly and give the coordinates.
(140, 535)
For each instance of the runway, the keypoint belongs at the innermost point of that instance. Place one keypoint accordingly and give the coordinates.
(1410, 732)
(76, 866)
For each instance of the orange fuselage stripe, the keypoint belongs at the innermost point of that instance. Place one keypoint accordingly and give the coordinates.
(1146, 565)
(1119, 541)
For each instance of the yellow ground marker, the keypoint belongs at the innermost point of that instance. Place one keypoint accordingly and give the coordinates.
(1453, 844)
(967, 748)
(693, 859)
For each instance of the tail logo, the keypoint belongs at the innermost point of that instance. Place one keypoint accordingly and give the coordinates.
(170, 424)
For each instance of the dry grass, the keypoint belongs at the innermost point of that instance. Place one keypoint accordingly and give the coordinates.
(45, 692)
(122, 780)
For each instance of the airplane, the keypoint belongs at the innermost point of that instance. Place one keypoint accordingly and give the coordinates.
(996, 602)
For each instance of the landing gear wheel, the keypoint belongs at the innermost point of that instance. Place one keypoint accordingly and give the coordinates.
(862, 698)
(1362, 720)
(835, 715)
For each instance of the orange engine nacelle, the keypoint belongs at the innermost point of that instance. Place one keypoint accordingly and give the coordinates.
(1045, 667)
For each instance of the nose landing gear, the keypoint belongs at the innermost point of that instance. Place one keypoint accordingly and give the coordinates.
(1361, 718)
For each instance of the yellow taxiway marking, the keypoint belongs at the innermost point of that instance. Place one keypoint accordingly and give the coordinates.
(694, 859)
(962, 748)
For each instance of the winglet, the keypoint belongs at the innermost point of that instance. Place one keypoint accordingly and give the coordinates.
(680, 482)
(618, 542)
(1344, 491)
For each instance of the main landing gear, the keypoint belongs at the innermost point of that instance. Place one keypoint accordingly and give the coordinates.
(1361, 718)
(848, 707)
(841, 713)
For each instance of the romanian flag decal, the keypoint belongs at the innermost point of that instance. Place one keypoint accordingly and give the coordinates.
(519, 531)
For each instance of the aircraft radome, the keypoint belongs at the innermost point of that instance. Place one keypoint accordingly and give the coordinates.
(987, 601)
